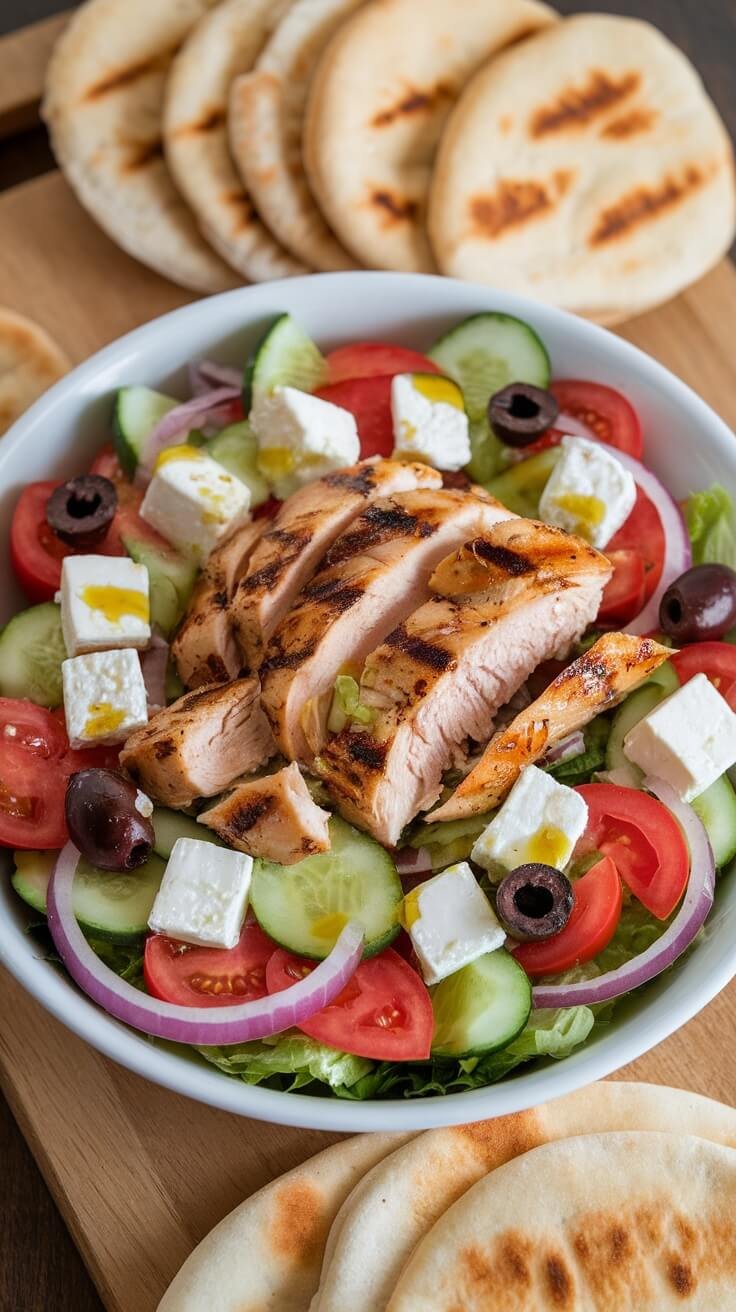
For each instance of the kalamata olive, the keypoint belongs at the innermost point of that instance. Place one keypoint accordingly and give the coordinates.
(700, 605)
(534, 902)
(104, 821)
(520, 413)
(81, 510)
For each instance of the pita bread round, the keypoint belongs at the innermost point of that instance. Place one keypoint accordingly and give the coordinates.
(224, 44)
(103, 102)
(268, 1252)
(265, 128)
(378, 103)
(30, 361)
(395, 1205)
(586, 167)
(637, 1222)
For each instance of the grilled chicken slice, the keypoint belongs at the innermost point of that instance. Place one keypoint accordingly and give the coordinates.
(372, 577)
(273, 817)
(439, 679)
(304, 529)
(595, 682)
(204, 648)
(199, 744)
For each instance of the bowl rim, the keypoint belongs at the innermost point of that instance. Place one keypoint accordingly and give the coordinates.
(206, 1084)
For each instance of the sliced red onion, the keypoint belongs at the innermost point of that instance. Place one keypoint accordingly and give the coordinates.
(413, 864)
(696, 904)
(573, 745)
(573, 427)
(183, 418)
(196, 1025)
(204, 375)
(154, 663)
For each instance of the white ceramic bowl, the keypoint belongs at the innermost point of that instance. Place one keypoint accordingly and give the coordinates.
(686, 444)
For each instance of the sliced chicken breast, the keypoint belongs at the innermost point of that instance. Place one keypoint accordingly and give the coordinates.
(199, 744)
(372, 577)
(596, 681)
(274, 818)
(439, 679)
(204, 648)
(304, 529)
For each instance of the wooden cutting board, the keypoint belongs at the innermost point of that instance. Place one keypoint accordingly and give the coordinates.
(139, 1173)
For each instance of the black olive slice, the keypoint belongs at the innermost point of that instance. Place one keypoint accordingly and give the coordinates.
(519, 414)
(81, 510)
(534, 902)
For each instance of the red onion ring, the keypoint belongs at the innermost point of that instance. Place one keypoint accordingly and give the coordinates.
(154, 664)
(180, 421)
(204, 375)
(196, 1025)
(573, 745)
(696, 904)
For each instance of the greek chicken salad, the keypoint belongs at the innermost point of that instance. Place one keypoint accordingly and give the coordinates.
(370, 725)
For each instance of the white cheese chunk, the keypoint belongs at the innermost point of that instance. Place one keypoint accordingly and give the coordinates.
(301, 437)
(689, 740)
(450, 922)
(429, 421)
(203, 895)
(194, 502)
(541, 820)
(104, 603)
(104, 697)
(589, 492)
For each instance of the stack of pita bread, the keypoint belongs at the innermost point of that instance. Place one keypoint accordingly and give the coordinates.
(578, 160)
(619, 1198)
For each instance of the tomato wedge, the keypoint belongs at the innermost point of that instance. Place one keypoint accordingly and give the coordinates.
(371, 359)
(637, 553)
(608, 415)
(385, 1012)
(369, 399)
(208, 977)
(644, 841)
(624, 594)
(595, 915)
(717, 660)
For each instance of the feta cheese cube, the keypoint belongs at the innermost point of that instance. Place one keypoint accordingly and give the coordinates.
(429, 419)
(541, 820)
(104, 603)
(450, 922)
(301, 437)
(194, 502)
(689, 740)
(589, 492)
(203, 895)
(104, 697)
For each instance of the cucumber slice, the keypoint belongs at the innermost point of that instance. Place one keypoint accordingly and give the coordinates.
(107, 905)
(630, 712)
(520, 488)
(665, 678)
(305, 906)
(481, 1007)
(170, 825)
(284, 357)
(717, 809)
(136, 411)
(483, 354)
(236, 448)
(171, 580)
(31, 651)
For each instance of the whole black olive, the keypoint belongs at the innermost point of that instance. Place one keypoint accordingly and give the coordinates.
(700, 605)
(81, 510)
(520, 413)
(104, 821)
(534, 902)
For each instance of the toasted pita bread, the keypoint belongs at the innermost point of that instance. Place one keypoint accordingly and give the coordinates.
(30, 361)
(224, 44)
(377, 105)
(265, 127)
(394, 1206)
(605, 1223)
(104, 93)
(586, 167)
(268, 1252)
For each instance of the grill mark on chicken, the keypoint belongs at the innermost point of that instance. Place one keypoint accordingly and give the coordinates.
(378, 524)
(217, 668)
(165, 748)
(220, 600)
(334, 595)
(513, 562)
(576, 107)
(281, 660)
(244, 819)
(367, 751)
(287, 537)
(265, 577)
(362, 484)
(426, 653)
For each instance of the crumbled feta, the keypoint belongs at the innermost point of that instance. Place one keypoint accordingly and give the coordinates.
(541, 820)
(104, 697)
(104, 603)
(429, 420)
(689, 740)
(450, 922)
(194, 502)
(301, 437)
(589, 492)
(203, 895)
(143, 805)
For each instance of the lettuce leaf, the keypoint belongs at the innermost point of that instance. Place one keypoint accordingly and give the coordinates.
(712, 527)
(578, 769)
(346, 705)
(289, 1061)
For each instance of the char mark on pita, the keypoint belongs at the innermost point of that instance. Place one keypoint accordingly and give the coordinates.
(576, 107)
(644, 204)
(515, 202)
(395, 209)
(413, 103)
(629, 124)
(215, 118)
(124, 77)
(141, 154)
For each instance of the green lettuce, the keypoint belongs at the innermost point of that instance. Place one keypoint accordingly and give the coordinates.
(712, 527)
(290, 1061)
(578, 769)
(346, 705)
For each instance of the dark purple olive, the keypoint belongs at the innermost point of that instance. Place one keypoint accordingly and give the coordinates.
(520, 413)
(534, 902)
(104, 822)
(700, 605)
(81, 510)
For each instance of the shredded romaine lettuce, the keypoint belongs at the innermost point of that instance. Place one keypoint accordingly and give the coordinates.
(712, 527)
(290, 1061)
(346, 705)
